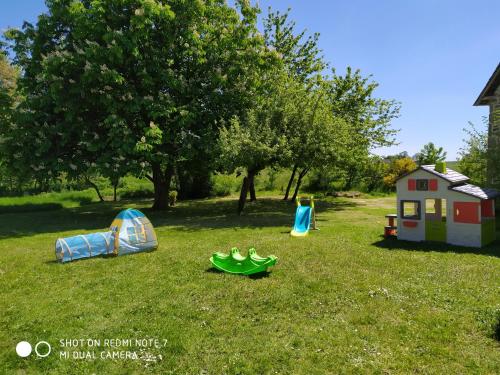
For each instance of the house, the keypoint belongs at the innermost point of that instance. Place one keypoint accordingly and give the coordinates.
(439, 204)
(490, 96)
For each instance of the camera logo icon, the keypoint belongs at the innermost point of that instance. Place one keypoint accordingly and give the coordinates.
(42, 349)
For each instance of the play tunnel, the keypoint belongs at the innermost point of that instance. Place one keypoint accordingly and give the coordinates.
(130, 232)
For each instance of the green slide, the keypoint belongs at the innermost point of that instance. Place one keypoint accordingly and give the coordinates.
(236, 263)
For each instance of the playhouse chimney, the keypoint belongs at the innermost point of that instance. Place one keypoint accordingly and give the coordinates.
(440, 167)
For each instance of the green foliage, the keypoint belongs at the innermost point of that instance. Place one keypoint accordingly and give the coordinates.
(398, 168)
(300, 54)
(352, 99)
(253, 141)
(141, 192)
(473, 159)
(224, 184)
(430, 154)
(374, 171)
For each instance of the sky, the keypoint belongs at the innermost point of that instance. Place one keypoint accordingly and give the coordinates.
(433, 56)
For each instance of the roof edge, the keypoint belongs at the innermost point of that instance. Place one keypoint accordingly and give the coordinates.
(437, 175)
(482, 96)
(472, 195)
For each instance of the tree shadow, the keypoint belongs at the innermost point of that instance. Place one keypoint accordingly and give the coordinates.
(392, 243)
(496, 330)
(219, 214)
(195, 215)
(95, 216)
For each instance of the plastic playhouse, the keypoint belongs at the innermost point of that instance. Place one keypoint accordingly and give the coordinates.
(236, 263)
(436, 203)
(305, 219)
(130, 232)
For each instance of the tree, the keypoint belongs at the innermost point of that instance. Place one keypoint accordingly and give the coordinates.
(256, 140)
(474, 155)
(8, 100)
(144, 82)
(430, 154)
(363, 121)
(397, 169)
(374, 172)
(301, 57)
(316, 137)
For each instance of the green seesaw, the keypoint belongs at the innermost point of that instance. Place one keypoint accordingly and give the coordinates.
(236, 263)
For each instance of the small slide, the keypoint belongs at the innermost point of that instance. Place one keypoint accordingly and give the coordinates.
(303, 218)
(236, 263)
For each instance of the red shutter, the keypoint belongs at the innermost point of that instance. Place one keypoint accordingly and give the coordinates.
(412, 184)
(433, 184)
(487, 208)
(466, 212)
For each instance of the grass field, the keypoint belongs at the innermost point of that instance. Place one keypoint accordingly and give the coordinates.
(342, 300)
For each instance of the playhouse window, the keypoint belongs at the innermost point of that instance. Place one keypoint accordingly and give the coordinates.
(467, 212)
(410, 210)
(422, 185)
(435, 209)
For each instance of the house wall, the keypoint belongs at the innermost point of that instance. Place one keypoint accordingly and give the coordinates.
(494, 142)
(456, 233)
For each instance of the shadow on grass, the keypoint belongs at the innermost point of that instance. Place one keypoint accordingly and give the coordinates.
(195, 215)
(29, 207)
(255, 276)
(393, 243)
(209, 214)
(496, 329)
(95, 216)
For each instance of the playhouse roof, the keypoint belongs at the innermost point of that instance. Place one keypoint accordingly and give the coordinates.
(476, 191)
(451, 176)
(490, 88)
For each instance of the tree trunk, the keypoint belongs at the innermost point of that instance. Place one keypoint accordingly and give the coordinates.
(161, 183)
(101, 199)
(243, 195)
(290, 182)
(251, 186)
(114, 190)
(351, 176)
(302, 173)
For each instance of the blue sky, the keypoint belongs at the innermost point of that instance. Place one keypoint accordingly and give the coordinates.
(434, 56)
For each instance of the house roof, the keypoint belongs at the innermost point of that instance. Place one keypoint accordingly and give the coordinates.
(476, 191)
(451, 176)
(490, 88)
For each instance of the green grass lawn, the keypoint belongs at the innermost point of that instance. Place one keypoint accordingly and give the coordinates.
(342, 300)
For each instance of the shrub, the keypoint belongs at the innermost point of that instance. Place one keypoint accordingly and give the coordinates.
(172, 197)
(224, 185)
(138, 192)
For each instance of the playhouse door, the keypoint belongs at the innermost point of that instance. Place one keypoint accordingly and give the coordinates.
(435, 220)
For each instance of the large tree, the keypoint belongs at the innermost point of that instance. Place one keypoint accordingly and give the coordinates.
(8, 100)
(256, 139)
(125, 84)
(302, 60)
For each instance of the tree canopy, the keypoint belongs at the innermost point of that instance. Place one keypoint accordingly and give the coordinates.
(474, 155)
(132, 84)
(430, 154)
